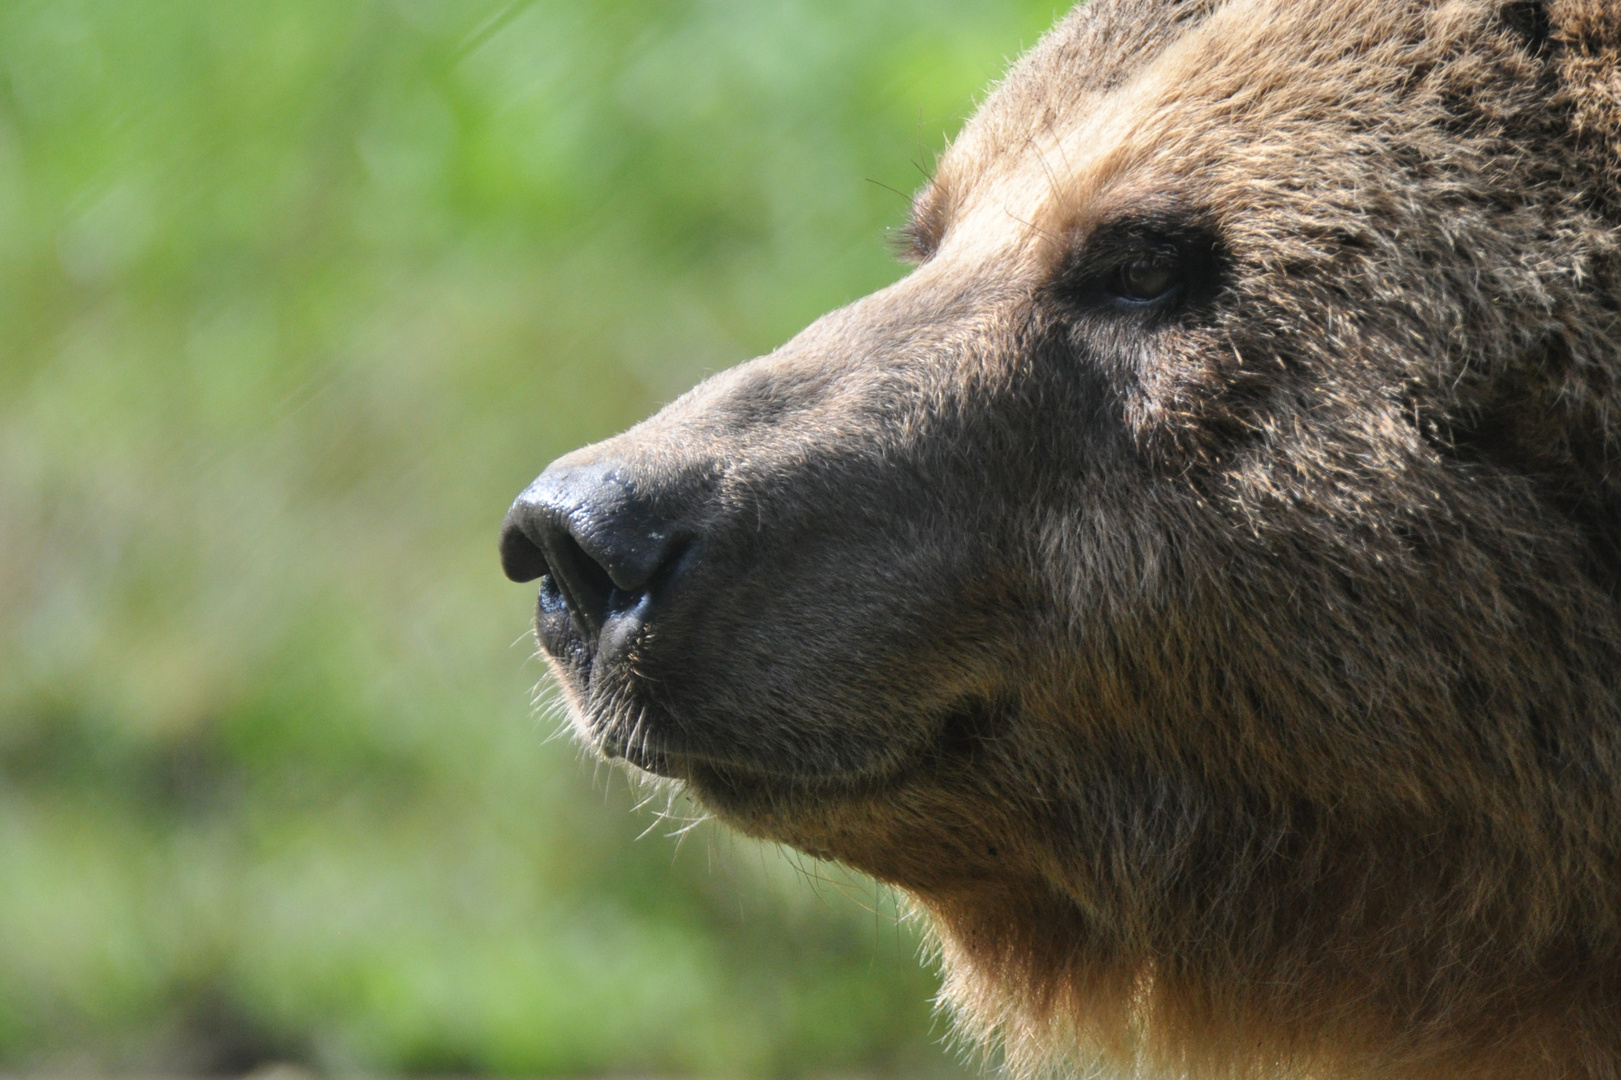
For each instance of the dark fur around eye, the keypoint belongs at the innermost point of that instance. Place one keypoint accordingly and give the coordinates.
(1140, 265)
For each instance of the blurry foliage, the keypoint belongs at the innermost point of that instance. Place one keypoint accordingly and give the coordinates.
(294, 297)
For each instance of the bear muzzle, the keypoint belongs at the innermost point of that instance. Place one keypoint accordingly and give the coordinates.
(690, 643)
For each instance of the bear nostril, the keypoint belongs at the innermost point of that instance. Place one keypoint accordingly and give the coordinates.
(586, 587)
(521, 558)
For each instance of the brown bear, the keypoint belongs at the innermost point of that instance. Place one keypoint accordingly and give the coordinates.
(1198, 583)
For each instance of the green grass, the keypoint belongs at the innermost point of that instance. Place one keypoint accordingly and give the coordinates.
(294, 297)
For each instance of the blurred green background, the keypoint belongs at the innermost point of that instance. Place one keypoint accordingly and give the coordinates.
(294, 298)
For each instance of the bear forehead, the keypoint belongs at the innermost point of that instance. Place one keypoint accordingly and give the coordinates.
(1214, 104)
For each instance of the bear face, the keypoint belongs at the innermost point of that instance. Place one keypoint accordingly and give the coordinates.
(1197, 583)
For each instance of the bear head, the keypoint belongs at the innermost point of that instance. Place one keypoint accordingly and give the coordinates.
(1198, 582)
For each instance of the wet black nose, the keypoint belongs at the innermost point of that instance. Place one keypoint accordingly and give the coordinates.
(598, 539)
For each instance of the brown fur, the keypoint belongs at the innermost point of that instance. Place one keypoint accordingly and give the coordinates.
(1236, 683)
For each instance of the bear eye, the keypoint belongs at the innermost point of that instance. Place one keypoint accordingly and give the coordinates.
(1148, 278)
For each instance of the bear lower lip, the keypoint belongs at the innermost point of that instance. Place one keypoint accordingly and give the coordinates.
(728, 784)
(746, 792)
(744, 786)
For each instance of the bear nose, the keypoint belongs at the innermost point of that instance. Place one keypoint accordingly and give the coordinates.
(586, 527)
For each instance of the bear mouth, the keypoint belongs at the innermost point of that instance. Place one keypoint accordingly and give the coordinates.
(746, 789)
(647, 746)
(747, 794)
(634, 695)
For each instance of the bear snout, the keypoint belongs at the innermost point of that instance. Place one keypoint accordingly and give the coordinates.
(601, 552)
